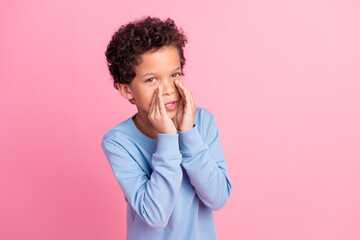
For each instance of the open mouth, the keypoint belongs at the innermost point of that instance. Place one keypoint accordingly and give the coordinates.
(170, 106)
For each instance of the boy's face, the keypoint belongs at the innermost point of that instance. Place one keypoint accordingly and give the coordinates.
(161, 67)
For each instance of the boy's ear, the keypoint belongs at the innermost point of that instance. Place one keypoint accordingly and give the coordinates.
(125, 91)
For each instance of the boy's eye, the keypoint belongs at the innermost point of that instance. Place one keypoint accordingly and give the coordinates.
(150, 80)
(175, 75)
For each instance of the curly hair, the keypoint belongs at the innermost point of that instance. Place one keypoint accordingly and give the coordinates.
(124, 51)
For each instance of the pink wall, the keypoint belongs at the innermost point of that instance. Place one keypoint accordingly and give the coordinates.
(282, 78)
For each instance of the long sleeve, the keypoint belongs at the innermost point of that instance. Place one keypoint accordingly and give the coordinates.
(205, 164)
(153, 198)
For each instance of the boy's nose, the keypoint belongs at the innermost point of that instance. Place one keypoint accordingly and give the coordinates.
(169, 87)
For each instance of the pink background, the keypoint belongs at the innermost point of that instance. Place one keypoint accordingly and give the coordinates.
(282, 78)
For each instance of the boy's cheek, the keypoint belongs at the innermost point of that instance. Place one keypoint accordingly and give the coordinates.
(152, 93)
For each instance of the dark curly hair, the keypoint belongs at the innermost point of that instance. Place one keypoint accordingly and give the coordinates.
(124, 51)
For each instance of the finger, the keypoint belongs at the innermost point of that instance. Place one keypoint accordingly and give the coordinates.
(184, 101)
(181, 105)
(187, 100)
(186, 92)
(191, 98)
(180, 87)
(152, 104)
(188, 95)
(186, 89)
(156, 105)
(161, 104)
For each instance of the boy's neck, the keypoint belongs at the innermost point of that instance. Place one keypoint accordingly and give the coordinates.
(145, 126)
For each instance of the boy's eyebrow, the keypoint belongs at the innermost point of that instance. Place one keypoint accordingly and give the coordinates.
(150, 73)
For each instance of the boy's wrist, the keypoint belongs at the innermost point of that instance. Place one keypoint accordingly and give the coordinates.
(190, 140)
(167, 143)
(186, 129)
(172, 131)
(168, 133)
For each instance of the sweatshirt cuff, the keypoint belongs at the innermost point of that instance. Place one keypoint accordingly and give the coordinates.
(190, 140)
(167, 144)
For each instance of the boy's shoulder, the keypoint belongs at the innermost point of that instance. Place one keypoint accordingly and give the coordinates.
(203, 115)
(119, 131)
(206, 124)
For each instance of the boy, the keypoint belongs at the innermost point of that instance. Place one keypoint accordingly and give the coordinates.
(167, 157)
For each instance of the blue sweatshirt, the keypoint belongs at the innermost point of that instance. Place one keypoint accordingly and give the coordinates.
(172, 184)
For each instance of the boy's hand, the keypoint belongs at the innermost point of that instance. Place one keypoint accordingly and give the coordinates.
(186, 109)
(158, 116)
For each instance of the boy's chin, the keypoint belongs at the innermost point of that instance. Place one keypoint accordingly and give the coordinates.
(172, 115)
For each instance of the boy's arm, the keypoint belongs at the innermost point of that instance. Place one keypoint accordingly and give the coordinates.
(153, 198)
(205, 165)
